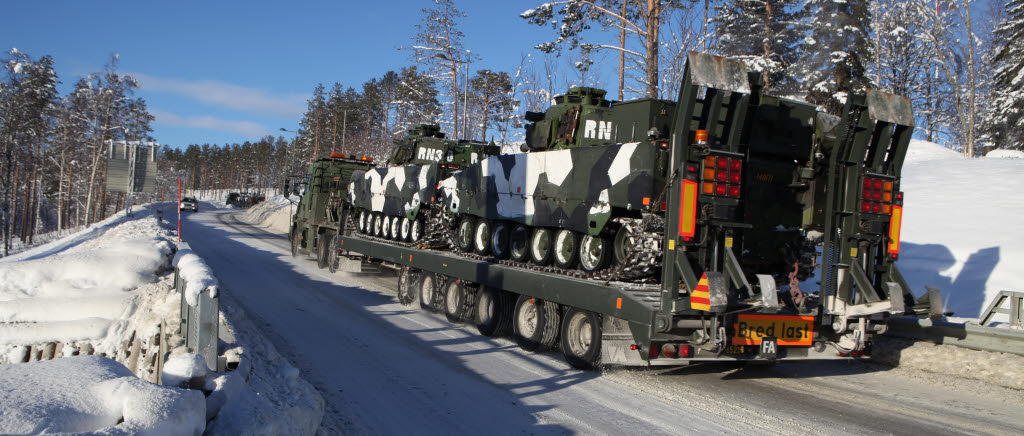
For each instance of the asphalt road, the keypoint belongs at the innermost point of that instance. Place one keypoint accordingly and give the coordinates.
(387, 368)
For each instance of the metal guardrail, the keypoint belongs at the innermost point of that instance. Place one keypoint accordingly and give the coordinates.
(1015, 311)
(200, 323)
(964, 335)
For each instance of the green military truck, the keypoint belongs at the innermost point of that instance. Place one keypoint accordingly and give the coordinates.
(320, 211)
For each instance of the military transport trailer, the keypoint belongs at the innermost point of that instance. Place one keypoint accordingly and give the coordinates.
(389, 202)
(686, 286)
(320, 211)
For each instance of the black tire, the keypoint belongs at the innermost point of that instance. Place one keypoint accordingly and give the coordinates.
(482, 236)
(499, 239)
(428, 290)
(332, 256)
(416, 230)
(519, 243)
(458, 301)
(408, 289)
(565, 248)
(322, 252)
(535, 323)
(295, 242)
(493, 311)
(595, 253)
(540, 247)
(620, 245)
(464, 234)
(581, 339)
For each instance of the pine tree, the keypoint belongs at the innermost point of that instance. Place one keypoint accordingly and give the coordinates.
(766, 34)
(491, 95)
(1006, 129)
(837, 52)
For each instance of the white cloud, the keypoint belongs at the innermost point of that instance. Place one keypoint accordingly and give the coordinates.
(244, 128)
(216, 93)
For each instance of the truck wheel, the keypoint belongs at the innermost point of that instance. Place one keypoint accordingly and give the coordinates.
(458, 301)
(428, 292)
(416, 230)
(566, 249)
(403, 229)
(581, 339)
(295, 242)
(321, 252)
(540, 247)
(493, 311)
(464, 234)
(407, 290)
(482, 237)
(332, 255)
(519, 243)
(595, 253)
(499, 240)
(535, 323)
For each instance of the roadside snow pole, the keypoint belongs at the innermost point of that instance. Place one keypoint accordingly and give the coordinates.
(178, 206)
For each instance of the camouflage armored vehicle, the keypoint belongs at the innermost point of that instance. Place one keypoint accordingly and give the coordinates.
(321, 209)
(389, 201)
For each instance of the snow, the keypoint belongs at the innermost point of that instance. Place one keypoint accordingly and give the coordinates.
(1006, 154)
(180, 370)
(198, 277)
(275, 214)
(93, 394)
(961, 226)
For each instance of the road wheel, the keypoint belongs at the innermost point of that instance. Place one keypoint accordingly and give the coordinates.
(361, 220)
(581, 339)
(594, 253)
(620, 245)
(321, 251)
(389, 227)
(566, 248)
(519, 243)
(464, 234)
(499, 239)
(535, 323)
(404, 227)
(395, 227)
(428, 292)
(416, 230)
(493, 311)
(378, 225)
(540, 247)
(482, 237)
(458, 301)
(407, 290)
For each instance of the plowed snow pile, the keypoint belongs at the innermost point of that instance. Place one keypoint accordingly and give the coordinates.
(275, 214)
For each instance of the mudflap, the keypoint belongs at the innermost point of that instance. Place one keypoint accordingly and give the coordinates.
(350, 264)
(618, 345)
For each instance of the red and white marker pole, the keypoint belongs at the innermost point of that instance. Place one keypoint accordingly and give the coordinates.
(178, 206)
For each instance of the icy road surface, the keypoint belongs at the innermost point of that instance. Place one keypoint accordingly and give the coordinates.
(384, 368)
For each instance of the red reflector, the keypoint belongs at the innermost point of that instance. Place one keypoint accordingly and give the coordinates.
(685, 351)
(876, 195)
(653, 352)
(867, 183)
(876, 207)
(723, 163)
(720, 189)
(878, 184)
(865, 206)
(734, 177)
(866, 194)
(722, 176)
(734, 191)
(691, 168)
(735, 164)
(634, 347)
(664, 205)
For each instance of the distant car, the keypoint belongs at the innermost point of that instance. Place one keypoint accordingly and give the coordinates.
(188, 203)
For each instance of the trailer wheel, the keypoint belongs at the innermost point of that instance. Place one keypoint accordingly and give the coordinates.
(407, 291)
(566, 249)
(493, 311)
(458, 301)
(581, 338)
(535, 323)
(499, 240)
(464, 234)
(595, 253)
(519, 243)
(540, 246)
(416, 230)
(404, 227)
(482, 237)
(428, 292)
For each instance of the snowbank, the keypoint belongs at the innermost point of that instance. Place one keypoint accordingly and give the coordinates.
(1006, 154)
(93, 394)
(961, 226)
(274, 214)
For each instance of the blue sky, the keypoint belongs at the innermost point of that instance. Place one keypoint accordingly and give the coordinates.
(229, 71)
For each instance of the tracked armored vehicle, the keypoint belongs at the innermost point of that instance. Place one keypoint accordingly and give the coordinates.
(389, 202)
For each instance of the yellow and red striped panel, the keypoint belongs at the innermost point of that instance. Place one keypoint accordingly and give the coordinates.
(700, 298)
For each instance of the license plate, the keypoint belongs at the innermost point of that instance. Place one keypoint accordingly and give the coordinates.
(788, 330)
(736, 349)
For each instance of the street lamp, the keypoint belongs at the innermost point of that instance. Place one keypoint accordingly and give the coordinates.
(465, 92)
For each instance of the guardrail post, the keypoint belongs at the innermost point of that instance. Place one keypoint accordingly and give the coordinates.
(200, 324)
(1016, 300)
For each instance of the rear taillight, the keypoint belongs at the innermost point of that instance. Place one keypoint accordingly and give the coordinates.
(876, 196)
(722, 176)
